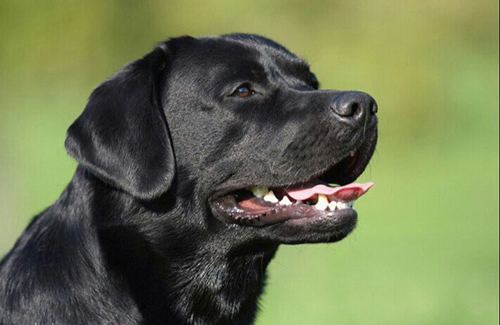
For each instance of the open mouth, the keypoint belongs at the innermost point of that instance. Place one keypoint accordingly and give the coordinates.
(316, 199)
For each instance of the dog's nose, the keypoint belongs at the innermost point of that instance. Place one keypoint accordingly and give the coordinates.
(354, 107)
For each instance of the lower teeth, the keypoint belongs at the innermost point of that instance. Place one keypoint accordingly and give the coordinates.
(321, 204)
(332, 206)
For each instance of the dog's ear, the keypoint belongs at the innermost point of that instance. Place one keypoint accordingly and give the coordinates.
(122, 135)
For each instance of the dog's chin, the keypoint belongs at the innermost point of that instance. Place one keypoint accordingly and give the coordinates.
(328, 229)
(313, 211)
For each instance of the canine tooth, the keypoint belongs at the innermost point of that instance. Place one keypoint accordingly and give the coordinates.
(259, 191)
(270, 197)
(332, 205)
(322, 203)
(285, 201)
(350, 204)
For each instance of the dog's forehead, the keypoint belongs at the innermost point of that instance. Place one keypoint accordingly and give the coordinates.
(241, 53)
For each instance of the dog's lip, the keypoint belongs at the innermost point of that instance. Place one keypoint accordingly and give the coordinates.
(297, 214)
(235, 184)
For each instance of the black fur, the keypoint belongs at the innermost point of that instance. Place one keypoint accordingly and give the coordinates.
(132, 239)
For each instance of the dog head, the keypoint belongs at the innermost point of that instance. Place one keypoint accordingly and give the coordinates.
(225, 127)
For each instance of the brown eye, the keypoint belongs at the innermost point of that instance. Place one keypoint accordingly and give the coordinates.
(243, 91)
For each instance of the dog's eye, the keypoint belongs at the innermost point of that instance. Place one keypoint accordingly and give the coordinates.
(243, 91)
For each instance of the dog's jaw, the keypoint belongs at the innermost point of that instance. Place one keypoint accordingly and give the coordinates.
(175, 278)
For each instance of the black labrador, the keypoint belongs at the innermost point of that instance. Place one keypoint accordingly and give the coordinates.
(195, 163)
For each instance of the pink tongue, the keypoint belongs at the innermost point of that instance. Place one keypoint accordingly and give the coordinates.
(347, 192)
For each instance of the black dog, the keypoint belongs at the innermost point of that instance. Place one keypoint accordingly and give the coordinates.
(172, 215)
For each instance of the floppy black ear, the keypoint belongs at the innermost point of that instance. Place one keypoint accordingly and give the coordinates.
(122, 135)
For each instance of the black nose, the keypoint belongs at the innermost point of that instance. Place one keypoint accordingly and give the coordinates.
(355, 107)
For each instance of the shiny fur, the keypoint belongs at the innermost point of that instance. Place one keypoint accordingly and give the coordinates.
(132, 240)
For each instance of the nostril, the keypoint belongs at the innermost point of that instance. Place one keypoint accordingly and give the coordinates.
(353, 109)
(373, 108)
(347, 108)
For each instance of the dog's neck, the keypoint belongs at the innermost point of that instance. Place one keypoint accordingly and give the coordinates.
(171, 275)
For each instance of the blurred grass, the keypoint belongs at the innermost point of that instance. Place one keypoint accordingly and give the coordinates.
(426, 249)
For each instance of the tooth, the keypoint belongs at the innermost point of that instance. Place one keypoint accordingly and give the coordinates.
(353, 153)
(259, 191)
(332, 205)
(298, 202)
(285, 201)
(270, 197)
(322, 203)
(350, 204)
(341, 205)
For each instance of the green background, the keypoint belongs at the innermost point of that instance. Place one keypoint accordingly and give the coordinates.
(426, 248)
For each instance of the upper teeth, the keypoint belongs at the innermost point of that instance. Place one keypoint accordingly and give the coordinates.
(259, 191)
